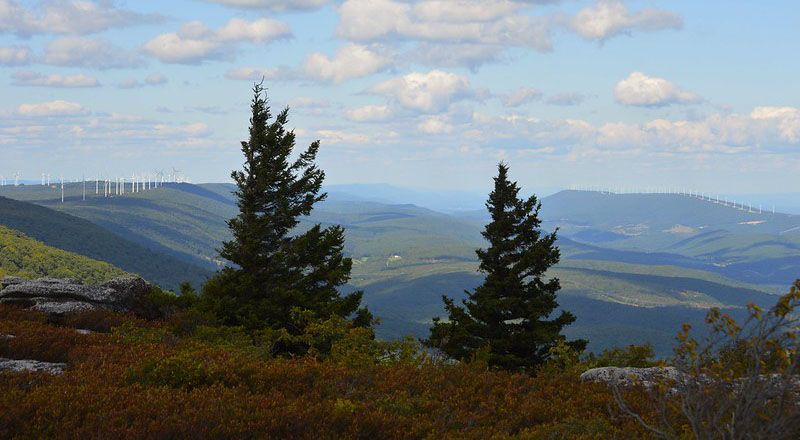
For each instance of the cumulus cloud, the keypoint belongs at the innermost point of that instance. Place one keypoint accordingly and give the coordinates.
(195, 42)
(351, 61)
(67, 17)
(36, 79)
(425, 92)
(369, 113)
(52, 108)
(609, 18)
(273, 5)
(641, 90)
(89, 53)
(786, 118)
(566, 99)
(521, 96)
(487, 22)
(154, 79)
(14, 56)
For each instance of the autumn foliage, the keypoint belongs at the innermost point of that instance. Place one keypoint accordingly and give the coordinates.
(147, 380)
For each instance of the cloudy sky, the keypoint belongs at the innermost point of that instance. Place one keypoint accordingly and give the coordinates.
(425, 93)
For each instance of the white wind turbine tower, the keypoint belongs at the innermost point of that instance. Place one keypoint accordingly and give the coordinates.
(62, 189)
(84, 187)
(16, 179)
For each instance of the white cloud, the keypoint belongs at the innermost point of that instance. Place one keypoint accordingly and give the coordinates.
(488, 22)
(198, 129)
(67, 17)
(369, 113)
(435, 125)
(338, 137)
(351, 61)
(426, 92)
(89, 53)
(52, 108)
(566, 99)
(14, 56)
(195, 42)
(641, 90)
(273, 5)
(609, 18)
(787, 118)
(521, 96)
(29, 78)
(259, 31)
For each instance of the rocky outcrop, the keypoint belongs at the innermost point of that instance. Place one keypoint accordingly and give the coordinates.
(770, 384)
(629, 376)
(59, 296)
(18, 366)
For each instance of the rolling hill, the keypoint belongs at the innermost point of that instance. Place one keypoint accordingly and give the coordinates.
(24, 257)
(622, 253)
(79, 236)
(753, 247)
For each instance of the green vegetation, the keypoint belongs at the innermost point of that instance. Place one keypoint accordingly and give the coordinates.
(24, 257)
(505, 318)
(79, 236)
(278, 276)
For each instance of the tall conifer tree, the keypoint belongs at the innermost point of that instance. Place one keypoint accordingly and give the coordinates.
(276, 271)
(507, 314)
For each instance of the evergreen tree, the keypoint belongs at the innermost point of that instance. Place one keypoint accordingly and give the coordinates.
(276, 272)
(507, 314)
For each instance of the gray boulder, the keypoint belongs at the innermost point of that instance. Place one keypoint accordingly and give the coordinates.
(18, 366)
(629, 376)
(58, 296)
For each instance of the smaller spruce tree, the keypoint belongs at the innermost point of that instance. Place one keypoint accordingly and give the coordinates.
(507, 315)
(276, 270)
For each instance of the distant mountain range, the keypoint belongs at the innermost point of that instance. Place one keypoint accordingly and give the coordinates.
(634, 266)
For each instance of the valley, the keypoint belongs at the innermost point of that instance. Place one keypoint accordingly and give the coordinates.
(634, 267)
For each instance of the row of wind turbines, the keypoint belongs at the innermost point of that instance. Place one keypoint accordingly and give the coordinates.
(110, 187)
(704, 196)
(4, 181)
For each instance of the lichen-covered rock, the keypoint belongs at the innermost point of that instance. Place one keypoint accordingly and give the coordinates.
(31, 365)
(59, 296)
(629, 376)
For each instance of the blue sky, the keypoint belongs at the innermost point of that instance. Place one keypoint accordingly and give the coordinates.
(427, 93)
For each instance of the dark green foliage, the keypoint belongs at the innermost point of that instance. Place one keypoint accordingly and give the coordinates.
(505, 317)
(275, 272)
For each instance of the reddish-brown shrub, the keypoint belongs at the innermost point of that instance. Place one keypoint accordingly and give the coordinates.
(146, 382)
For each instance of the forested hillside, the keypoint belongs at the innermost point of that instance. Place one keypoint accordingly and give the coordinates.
(22, 256)
(64, 231)
(405, 257)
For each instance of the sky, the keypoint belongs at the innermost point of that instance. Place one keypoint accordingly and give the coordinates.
(618, 94)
